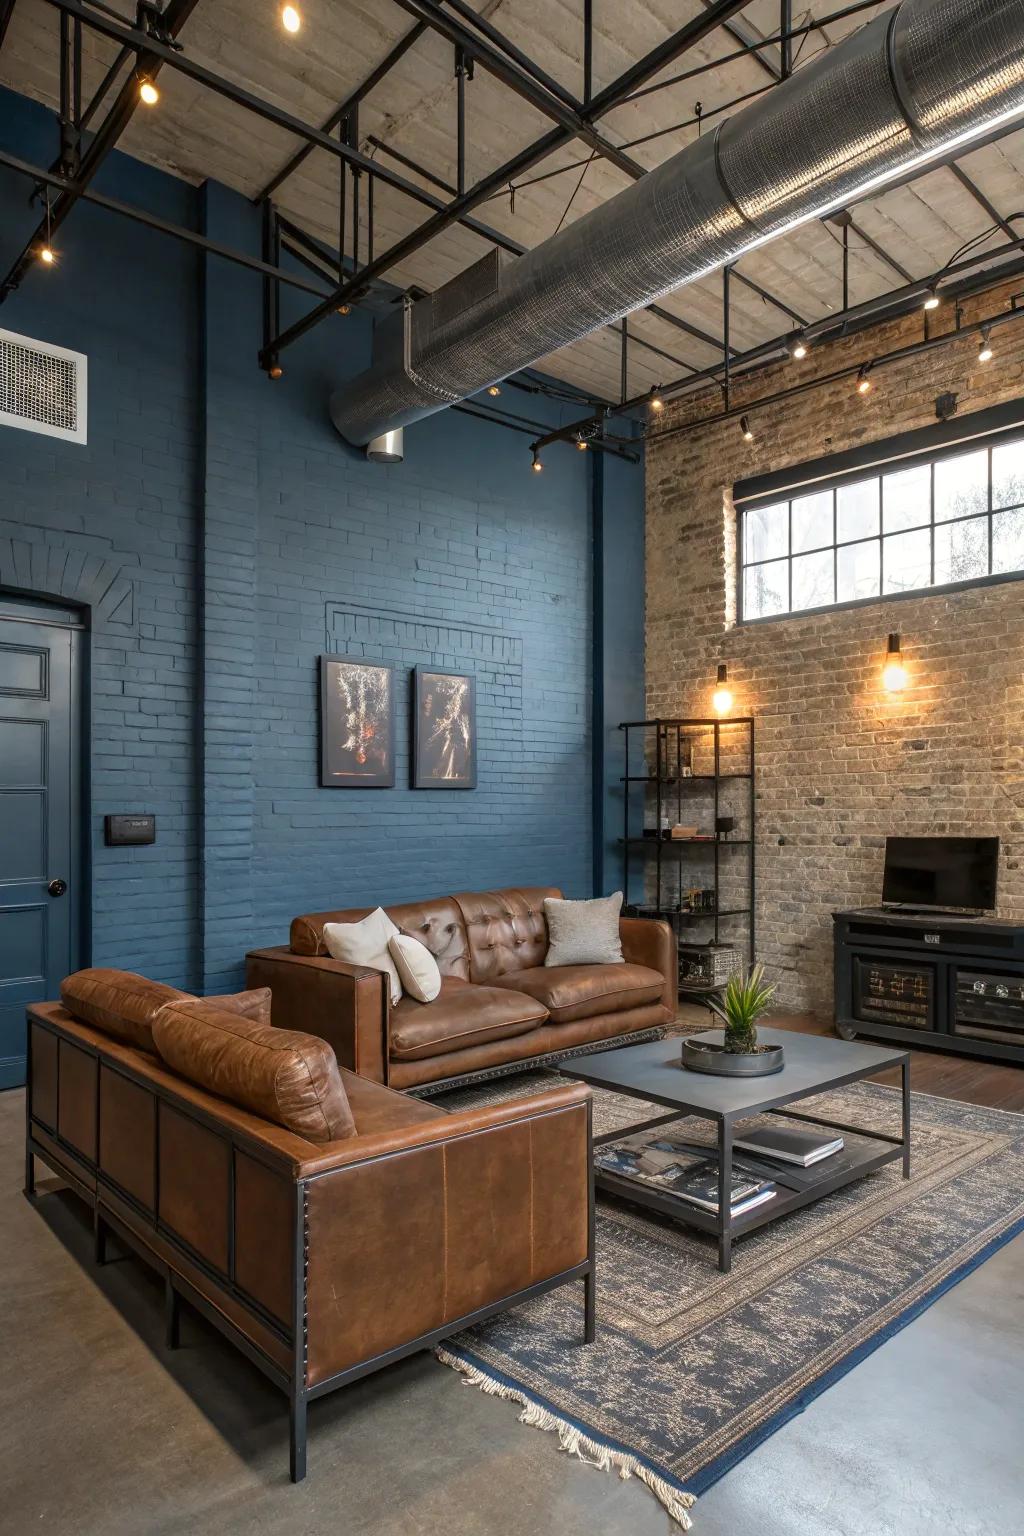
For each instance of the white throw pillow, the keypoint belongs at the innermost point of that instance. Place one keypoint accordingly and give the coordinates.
(583, 932)
(416, 966)
(366, 943)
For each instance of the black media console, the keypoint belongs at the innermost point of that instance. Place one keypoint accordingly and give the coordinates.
(951, 982)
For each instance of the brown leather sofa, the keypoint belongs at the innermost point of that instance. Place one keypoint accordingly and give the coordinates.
(500, 1006)
(320, 1260)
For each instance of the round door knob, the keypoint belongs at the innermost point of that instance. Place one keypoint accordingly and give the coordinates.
(57, 887)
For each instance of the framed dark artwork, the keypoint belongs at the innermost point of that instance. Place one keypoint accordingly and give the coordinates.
(444, 730)
(357, 723)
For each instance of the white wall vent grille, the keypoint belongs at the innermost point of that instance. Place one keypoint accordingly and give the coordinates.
(42, 388)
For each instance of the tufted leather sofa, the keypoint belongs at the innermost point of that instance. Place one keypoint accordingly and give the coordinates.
(320, 1260)
(499, 1007)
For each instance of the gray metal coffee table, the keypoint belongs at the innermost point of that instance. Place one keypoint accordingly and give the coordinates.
(813, 1064)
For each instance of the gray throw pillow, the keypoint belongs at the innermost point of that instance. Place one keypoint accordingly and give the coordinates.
(584, 932)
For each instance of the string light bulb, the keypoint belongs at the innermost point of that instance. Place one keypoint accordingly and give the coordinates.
(894, 673)
(47, 255)
(746, 429)
(797, 347)
(864, 384)
(291, 20)
(721, 699)
(985, 353)
(494, 390)
(536, 466)
(148, 92)
(932, 300)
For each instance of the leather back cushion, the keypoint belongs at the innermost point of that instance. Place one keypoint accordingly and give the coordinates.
(507, 930)
(437, 923)
(118, 1002)
(288, 1078)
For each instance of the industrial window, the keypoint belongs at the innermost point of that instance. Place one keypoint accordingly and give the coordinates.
(905, 523)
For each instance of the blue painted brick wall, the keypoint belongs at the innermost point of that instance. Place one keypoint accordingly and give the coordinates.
(235, 538)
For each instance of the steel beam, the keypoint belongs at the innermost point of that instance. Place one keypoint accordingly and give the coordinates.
(152, 221)
(339, 114)
(6, 12)
(106, 136)
(982, 201)
(526, 64)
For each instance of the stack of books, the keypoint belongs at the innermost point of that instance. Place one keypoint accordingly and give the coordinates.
(682, 1170)
(785, 1145)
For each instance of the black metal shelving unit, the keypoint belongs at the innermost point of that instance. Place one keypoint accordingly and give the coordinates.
(674, 792)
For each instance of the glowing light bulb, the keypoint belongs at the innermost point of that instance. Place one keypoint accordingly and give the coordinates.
(148, 91)
(47, 255)
(494, 390)
(581, 445)
(746, 429)
(798, 348)
(657, 403)
(932, 301)
(864, 384)
(536, 466)
(985, 353)
(721, 699)
(291, 20)
(894, 673)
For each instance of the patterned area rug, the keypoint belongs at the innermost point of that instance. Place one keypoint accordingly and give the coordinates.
(691, 1368)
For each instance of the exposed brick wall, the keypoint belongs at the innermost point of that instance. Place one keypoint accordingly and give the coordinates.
(841, 763)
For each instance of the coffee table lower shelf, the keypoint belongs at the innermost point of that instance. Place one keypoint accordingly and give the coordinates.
(866, 1160)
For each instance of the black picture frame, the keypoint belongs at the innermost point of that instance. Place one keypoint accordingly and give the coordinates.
(357, 723)
(445, 759)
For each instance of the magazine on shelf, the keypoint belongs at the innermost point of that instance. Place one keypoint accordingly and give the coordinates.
(682, 1170)
(790, 1145)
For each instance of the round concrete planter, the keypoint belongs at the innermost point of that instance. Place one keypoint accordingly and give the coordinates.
(703, 1053)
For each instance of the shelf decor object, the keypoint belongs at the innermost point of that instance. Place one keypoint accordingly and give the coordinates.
(684, 774)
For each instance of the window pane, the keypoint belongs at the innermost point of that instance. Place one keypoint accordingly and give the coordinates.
(906, 498)
(813, 580)
(812, 521)
(907, 561)
(859, 571)
(1008, 541)
(961, 550)
(857, 510)
(961, 486)
(766, 589)
(766, 532)
(1008, 474)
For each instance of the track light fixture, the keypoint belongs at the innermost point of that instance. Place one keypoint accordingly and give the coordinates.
(581, 444)
(344, 309)
(291, 18)
(985, 353)
(275, 371)
(536, 466)
(746, 429)
(864, 383)
(47, 254)
(148, 92)
(931, 298)
(657, 403)
(494, 390)
(797, 346)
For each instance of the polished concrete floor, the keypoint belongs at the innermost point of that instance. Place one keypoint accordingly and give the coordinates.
(102, 1433)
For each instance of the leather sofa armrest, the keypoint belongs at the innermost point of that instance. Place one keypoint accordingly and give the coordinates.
(651, 942)
(411, 1232)
(345, 1005)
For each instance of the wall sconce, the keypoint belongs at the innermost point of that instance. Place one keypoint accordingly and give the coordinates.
(721, 699)
(894, 673)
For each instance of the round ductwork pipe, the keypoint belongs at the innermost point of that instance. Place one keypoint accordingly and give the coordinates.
(388, 448)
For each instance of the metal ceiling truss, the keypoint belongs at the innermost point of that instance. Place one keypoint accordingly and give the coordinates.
(475, 41)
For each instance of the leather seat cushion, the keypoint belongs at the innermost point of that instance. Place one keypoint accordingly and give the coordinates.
(289, 1078)
(464, 1014)
(376, 1108)
(584, 991)
(118, 1002)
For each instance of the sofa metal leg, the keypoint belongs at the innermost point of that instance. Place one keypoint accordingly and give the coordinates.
(589, 1306)
(297, 1431)
(99, 1236)
(172, 1315)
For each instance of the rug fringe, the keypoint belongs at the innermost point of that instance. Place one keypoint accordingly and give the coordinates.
(575, 1441)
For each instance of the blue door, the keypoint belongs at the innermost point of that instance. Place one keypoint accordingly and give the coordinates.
(39, 833)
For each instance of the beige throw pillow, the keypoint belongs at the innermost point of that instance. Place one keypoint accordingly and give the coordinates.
(584, 932)
(417, 967)
(366, 943)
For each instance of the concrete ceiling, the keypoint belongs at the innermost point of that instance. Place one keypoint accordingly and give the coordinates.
(196, 134)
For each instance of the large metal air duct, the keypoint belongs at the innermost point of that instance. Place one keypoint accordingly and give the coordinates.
(914, 82)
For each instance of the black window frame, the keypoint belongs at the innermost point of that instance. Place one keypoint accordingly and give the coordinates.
(929, 446)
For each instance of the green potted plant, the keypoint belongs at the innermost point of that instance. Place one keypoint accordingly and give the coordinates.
(746, 999)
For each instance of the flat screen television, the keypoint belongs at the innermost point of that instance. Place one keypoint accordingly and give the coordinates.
(941, 872)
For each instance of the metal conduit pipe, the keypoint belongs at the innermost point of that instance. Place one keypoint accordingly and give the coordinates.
(918, 80)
